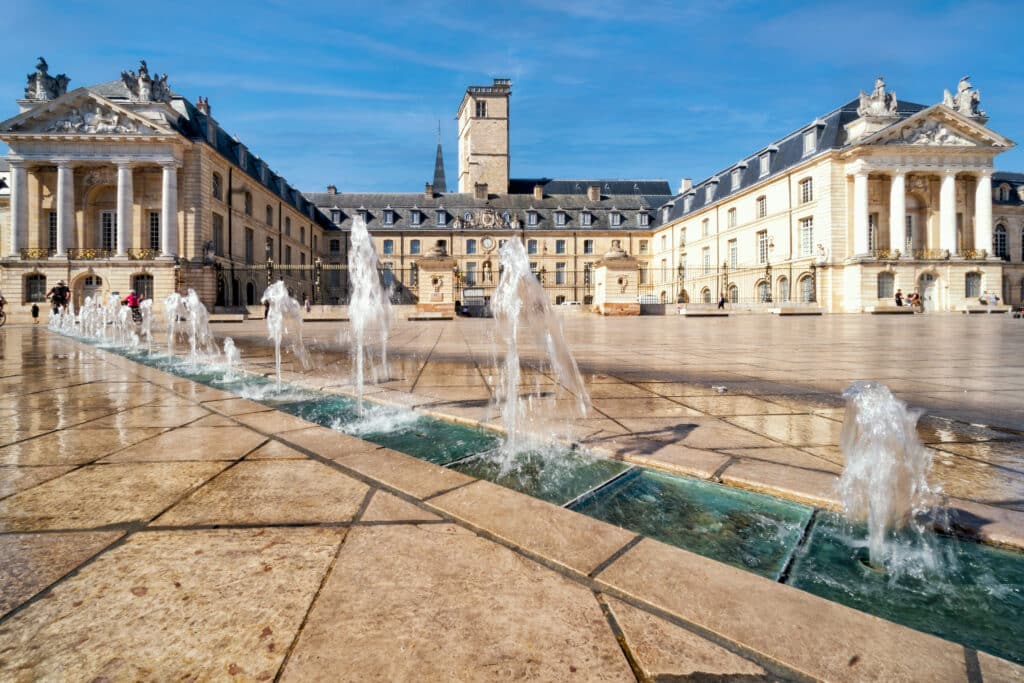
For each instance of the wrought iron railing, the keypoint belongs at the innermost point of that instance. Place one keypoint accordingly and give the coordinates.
(886, 254)
(91, 254)
(930, 254)
(36, 253)
(143, 254)
(974, 254)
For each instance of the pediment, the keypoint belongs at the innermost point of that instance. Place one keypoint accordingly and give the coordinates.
(938, 126)
(81, 112)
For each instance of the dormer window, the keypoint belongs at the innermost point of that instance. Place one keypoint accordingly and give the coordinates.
(615, 219)
(737, 177)
(585, 219)
(765, 160)
(810, 141)
(709, 191)
(643, 219)
(442, 217)
(335, 216)
(687, 203)
(531, 218)
(415, 216)
(364, 214)
(665, 212)
(389, 217)
(559, 218)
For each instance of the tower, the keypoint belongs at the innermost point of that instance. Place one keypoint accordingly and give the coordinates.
(483, 137)
(439, 182)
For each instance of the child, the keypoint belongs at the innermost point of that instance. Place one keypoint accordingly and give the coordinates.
(35, 313)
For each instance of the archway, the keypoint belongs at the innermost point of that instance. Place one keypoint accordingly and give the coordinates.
(928, 289)
(87, 285)
(222, 294)
(235, 287)
(250, 294)
(783, 288)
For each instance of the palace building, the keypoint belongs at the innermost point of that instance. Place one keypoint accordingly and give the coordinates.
(129, 185)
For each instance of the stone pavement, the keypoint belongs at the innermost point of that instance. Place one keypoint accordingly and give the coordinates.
(152, 528)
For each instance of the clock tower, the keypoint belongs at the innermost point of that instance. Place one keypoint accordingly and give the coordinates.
(483, 137)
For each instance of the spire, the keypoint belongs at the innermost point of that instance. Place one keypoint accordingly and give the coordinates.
(439, 182)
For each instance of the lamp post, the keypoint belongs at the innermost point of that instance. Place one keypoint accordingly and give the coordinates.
(814, 283)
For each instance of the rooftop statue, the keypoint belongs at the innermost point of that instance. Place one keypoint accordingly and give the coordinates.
(42, 86)
(143, 88)
(966, 101)
(879, 104)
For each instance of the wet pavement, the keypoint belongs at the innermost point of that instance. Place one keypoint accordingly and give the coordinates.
(153, 528)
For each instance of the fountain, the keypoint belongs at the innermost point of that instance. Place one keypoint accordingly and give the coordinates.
(885, 479)
(284, 318)
(232, 357)
(199, 336)
(174, 310)
(146, 311)
(520, 300)
(368, 306)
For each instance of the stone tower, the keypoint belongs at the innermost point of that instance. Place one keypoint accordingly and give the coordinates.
(439, 182)
(483, 137)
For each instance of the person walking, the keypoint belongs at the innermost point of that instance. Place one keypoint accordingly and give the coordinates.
(899, 297)
(721, 303)
(305, 303)
(35, 314)
(58, 296)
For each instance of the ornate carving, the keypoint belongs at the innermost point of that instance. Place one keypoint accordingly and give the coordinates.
(36, 253)
(42, 86)
(623, 283)
(437, 282)
(100, 176)
(822, 254)
(92, 122)
(918, 183)
(966, 101)
(616, 251)
(143, 88)
(879, 104)
(143, 254)
(930, 132)
(90, 254)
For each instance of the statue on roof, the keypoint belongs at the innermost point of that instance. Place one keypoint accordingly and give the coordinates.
(42, 86)
(966, 101)
(143, 88)
(879, 104)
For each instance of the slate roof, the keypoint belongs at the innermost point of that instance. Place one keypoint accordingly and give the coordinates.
(1015, 181)
(786, 153)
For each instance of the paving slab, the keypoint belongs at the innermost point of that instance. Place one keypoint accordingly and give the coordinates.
(15, 479)
(439, 603)
(192, 443)
(385, 507)
(72, 446)
(796, 483)
(174, 605)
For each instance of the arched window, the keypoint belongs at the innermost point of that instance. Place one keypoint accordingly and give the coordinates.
(248, 203)
(972, 285)
(143, 285)
(763, 292)
(999, 242)
(250, 294)
(806, 289)
(35, 287)
(783, 289)
(705, 295)
(662, 298)
(270, 215)
(734, 294)
(302, 234)
(886, 281)
(218, 186)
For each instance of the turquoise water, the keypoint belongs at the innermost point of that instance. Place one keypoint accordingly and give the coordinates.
(747, 530)
(976, 598)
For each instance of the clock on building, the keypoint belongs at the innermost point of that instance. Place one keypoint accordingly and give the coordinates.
(487, 243)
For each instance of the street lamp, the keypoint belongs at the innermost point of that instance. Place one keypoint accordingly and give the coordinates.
(814, 283)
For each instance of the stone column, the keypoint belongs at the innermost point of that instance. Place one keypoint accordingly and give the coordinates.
(983, 212)
(947, 212)
(860, 213)
(125, 201)
(19, 208)
(897, 212)
(169, 212)
(65, 206)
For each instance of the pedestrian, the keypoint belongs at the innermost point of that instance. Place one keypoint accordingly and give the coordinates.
(58, 296)
(721, 303)
(35, 313)
(266, 308)
(899, 297)
(305, 302)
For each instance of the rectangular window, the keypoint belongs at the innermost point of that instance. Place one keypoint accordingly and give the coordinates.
(705, 258)
(335, 247)
(531, 247)
(806, 190)
(732, 218)
(872, 230)
(250, 238)
(687, 203)
(585, 219)
(762, 246)
(806, 236)
(643, 219)
(559, 218)
(470, 274)
(531, 218)
(559, 273)
(664, 242)
(442, 218)
(270, 249)
(154, 230)
(288, 227)
(709, 192)
(682, 236)
(287, 255)
(218, 234)
(705, 227)
(762, 207)
(734, 254)
(335, 216)
(52, 229)
(414, 217)
(736, 176)
(910, 234)
(481, 108)
(588, 272)
(810, 141)
(664, 270)
(643, 274)
(389, 217)
(414, 246)
(389, 246)
(588, 246)
(643, 246)
(615, 219)
(108, 230)
(559, 246)
(302, 262)
(470, 246)
(765, 161)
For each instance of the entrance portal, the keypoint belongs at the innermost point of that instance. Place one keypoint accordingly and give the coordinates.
(929, 292)
(86, 286)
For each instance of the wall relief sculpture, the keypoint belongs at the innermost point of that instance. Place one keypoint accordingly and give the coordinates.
(930, 132)
(966, 101)
(77, 120)
(879, 104)
(42, 86)
(144, 88)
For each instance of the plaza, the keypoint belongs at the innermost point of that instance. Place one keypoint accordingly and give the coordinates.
(158, 527)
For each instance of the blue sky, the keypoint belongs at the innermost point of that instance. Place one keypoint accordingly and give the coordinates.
(351, 93)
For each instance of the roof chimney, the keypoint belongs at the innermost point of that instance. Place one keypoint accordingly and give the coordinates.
(594, 193)
(428, 191)
(332, 189)
(480, 191)
(538, 191)
(203, 104)
(684, 185)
